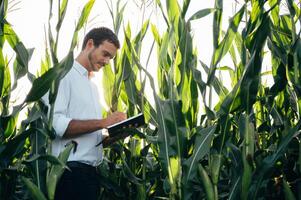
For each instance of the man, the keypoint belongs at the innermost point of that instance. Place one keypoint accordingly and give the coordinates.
(77, 117)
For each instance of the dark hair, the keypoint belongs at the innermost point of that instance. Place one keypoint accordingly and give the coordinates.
(99, 35)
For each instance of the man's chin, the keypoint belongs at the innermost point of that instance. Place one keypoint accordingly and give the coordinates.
(96, 69)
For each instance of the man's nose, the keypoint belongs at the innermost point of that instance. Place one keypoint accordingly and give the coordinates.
(107, 60)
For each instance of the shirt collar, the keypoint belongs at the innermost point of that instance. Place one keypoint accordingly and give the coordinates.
(81, 69)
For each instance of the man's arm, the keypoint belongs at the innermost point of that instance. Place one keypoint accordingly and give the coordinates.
(67, 127)
(79, 127)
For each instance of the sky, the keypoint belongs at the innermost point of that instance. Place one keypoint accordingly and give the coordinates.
(30, 17)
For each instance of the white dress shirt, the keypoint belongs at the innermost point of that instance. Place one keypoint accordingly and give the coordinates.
(78, 99)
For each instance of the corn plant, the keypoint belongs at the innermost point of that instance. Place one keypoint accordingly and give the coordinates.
(245, 146)
(241, 148)
(24, 149)
(159, 149)
(125, 165)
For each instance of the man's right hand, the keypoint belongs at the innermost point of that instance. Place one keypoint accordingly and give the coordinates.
(115, 117)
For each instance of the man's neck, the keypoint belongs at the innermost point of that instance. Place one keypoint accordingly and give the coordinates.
(91, 74)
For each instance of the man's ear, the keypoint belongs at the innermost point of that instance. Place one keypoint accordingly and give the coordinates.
(90, 44)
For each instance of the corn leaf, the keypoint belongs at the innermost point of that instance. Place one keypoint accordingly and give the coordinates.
(22, 55)
(42, 84)
(217, 20)
(251, 77)
(289, 195)
(34, 191)
(202, 146)
(171, 132)
(226, 43)
(2, 72)
(201, 13)
(13, 148)
(62, 12)
(185, 8)
(82, 20)
(265, 168)
(173, 10)
(56, 171)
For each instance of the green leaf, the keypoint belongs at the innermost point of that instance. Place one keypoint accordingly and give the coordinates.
(217, 21)
(234, 191)
(275, 11)
(216, 161)
(62, 12)
(236, 169)
(289, 195)
(22, 55)
(163, 51)
(158, 2)
(119, 16)
(251, 76)
(52, 42)
(201, 13)
(173, 10)
(245, 91)
(226, 43)
(56, 170)
(42, 84)
(129, 174)
(186, 94)
(185, 8)
(202, 146)
(34, 191)
(156, 34)
(19, 70)
(3, 12)
(11, 126)
(13, 148)
(84, 14)
(206, 182)
(197, 77)
(128, 74)
(139, 37)
(256, 11)
(230, 103)
(52, 159)
(277, 51)
(171, 132)
(82, 20)
(108, 82)
(6, 87)
(45, 64)
(246, 129)
(176, 70)
(64, 66)
(2, 71)
(218, 86)
(265, 167)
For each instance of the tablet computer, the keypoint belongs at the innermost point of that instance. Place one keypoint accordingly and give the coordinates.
(132, 122)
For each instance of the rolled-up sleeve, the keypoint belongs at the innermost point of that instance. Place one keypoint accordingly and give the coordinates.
(60, 118)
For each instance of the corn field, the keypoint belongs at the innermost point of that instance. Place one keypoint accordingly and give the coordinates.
(203, 139)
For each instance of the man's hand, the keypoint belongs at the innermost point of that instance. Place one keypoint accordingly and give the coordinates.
(115, 117)
(107, 141)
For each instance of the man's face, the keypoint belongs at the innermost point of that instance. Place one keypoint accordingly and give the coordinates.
(101, 55)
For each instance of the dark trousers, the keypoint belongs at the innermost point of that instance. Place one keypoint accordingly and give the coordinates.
(81, 183)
